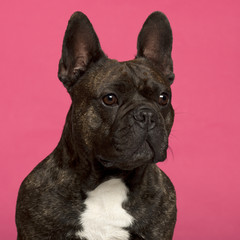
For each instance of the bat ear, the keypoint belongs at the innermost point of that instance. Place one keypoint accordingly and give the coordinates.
(155, 43)
(80, 48)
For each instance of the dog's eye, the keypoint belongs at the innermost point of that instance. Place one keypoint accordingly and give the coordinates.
(163, 99)
(110, 99)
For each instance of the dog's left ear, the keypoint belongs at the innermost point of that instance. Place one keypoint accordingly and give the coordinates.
(155, 43)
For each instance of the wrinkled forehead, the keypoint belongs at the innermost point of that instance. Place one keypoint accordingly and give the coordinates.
(142, 71)
(130, 74)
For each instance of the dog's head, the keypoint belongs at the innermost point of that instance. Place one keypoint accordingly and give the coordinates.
(121, 112)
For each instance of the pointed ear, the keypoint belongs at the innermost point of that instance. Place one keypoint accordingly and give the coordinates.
(155, 43)
(80, 48)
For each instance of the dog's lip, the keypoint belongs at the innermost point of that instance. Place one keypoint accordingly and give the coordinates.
(157, 156)
(104, 162)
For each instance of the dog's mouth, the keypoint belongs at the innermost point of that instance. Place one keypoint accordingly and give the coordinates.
(147, 152)
(106, 163)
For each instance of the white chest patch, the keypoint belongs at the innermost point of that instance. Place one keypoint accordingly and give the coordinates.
(104, 217)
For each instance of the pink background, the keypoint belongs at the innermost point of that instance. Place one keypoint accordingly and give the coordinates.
(204, 159)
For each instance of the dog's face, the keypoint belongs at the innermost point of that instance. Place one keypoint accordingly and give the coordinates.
(121, 111)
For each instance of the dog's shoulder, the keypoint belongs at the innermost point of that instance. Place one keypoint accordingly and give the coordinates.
(48, 200)
(38, 182)
(153, 200)
(156, 180)
(165, 182)
(49, 177)
(166, 191)
(38, 176)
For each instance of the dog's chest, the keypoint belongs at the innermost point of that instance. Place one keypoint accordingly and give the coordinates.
(104, 217)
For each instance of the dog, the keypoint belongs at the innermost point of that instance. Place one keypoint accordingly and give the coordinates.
(101, 182)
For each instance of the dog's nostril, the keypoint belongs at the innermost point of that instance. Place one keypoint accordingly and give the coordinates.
(146, 116)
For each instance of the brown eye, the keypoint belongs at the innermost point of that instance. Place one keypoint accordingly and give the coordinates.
(163, 99)
(110, 99)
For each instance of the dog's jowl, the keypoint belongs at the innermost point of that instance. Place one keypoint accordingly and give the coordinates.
(101, 182)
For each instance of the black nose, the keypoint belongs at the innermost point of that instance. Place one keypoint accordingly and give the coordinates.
(145, 117)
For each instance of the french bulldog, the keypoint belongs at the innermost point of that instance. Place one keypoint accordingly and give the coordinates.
(101, 182)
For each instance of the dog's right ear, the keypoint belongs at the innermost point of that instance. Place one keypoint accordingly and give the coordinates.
(80, 48)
